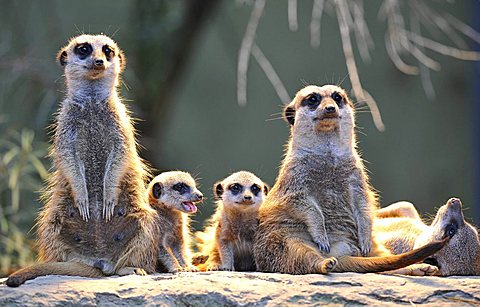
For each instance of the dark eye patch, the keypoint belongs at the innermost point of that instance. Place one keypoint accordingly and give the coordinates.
(312, 101)
(83, 50)
(181, 188)
(108, 51)
(450, 230)
(235, 188)
(255, 189)
(338, 98)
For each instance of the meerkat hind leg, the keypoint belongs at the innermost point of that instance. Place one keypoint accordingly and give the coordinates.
(418, 269)
(398, 209)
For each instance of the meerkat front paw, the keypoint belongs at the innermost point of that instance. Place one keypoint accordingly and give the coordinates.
(365, 246)
(190, 268)
(323, 244)
(327, 265)
(83, 206)
(226, 268)
(213, 267)
(131, 271)
(109, 202)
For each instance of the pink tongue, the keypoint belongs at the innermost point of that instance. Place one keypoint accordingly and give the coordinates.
(190, 207)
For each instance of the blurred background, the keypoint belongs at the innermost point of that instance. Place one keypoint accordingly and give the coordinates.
(207, 81)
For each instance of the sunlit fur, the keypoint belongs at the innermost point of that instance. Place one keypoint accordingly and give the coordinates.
(96, 209)
(228, 236)
(321, 205)
(400, 228)
(174, 244)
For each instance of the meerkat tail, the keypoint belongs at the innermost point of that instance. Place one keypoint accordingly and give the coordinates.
(52, 268)
(381, 264)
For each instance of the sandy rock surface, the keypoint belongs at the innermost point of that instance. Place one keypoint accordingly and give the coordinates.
(232, 288)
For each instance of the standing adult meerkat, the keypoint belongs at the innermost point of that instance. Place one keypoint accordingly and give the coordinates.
(318, 216)
(96, 215)
(174, 195)
(400, 228)
(228, 238)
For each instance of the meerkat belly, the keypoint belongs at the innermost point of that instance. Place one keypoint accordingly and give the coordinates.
(243, 249)
(340, 224)
(98, 239)
(98, 133)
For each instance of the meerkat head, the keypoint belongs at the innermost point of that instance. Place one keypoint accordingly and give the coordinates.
(319, 111)
(242, 190)
(461, 255)
(92, 57)
(176, 190)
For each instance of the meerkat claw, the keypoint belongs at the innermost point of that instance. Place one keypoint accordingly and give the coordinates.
(323, 246)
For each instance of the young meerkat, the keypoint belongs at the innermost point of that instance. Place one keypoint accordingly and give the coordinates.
(228, 238)
(400, 228)
(96, 215)
(174, 195)
(318, 216)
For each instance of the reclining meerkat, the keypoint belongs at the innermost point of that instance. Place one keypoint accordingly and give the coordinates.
(400, 228)
(96, 219)
(318, 216)
(227, 241)
(174, 195)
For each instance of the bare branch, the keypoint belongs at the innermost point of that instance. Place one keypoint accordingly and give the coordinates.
(292, 15)
(359, 92)
(440, 48)
(246, 49)
(271, 74)
(315, 23)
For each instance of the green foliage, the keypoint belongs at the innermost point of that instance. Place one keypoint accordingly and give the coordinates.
(22, 169)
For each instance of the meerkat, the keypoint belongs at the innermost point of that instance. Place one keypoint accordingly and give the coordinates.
(227, 241)
(96, 210)
(317, 218)
(174, 195)
(400, 228)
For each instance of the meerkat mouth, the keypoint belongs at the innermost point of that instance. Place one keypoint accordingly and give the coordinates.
(189, 207)
(245, 202)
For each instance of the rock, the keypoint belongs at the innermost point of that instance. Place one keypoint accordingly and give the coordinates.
(234, 288)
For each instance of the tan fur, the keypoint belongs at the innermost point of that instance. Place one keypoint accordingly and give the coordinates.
(173, 208)
(400, 228)
(318, 216)
(96, 210)
(228, 238)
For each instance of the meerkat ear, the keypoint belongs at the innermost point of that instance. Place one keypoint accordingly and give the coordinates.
(62, 56)
(218, 190)
(289, 114)
(157, 190)
(266, 189)
(122, 59)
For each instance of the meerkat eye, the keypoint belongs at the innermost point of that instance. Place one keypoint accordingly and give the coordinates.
(181, 188)
(312, 101)
(337, 97)
(235, 188)
(255, 189)
(108, 51)
(450, 230)
(83, 50)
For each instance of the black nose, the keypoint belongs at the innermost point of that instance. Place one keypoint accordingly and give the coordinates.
(330, 109)
(99, 62)
(247, 197)
(200, 196)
